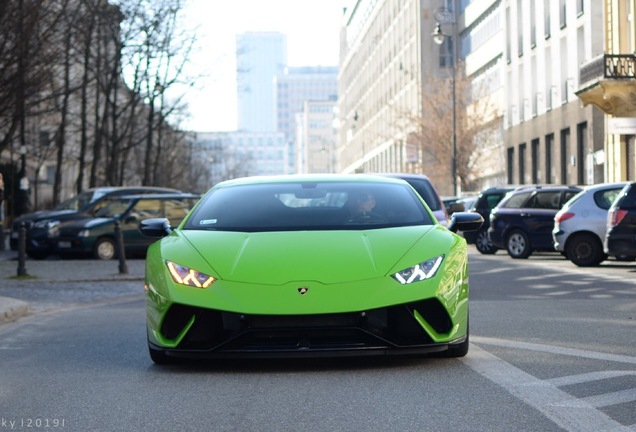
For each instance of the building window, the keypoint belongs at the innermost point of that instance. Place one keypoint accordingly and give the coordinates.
(546, 17)
(522, 163)
(581, 145)
(511, 165)
(549, 143)
(565, 144)
(579, 7)
(534, 154)
(630, 152)
(562, 14)
(519, 29)
(533, 24)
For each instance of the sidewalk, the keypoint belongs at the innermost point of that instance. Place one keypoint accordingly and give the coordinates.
(55, 281)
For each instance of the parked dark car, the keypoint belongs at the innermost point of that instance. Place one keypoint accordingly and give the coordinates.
(620, 239)
(95, 236)
(424, 187)
(40, 224)
(523, 221)
(486, 201)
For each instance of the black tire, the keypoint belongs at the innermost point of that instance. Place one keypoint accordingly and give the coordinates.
(104, 249)
(518, 244)
(482, 243)
(585, 250)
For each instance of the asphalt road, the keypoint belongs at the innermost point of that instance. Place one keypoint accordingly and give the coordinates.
(552, 350)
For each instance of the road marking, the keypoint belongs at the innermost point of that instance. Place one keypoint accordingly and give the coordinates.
(570, 413)
(613, 398)
(587, 377)
(554, 349)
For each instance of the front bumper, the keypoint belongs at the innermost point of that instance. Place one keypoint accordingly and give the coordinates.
(419, 327)
(74, 245)
(35, 242)
(558, 239)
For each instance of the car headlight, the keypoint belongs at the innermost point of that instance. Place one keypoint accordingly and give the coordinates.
(187, 276)
(84, 233)
(419, 272)
(46, 224)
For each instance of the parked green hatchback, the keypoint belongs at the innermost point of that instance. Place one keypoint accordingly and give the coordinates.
(95, 236)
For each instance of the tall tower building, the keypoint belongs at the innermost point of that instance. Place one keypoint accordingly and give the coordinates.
(260, 57)
(293, 88)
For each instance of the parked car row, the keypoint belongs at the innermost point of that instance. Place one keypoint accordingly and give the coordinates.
(585, 224)
(85, 224)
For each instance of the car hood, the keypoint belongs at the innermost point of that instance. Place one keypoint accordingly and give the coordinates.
(322, 256)
(87, 222)
(45, 214)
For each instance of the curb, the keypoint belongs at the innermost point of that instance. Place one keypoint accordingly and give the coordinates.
(12, 309)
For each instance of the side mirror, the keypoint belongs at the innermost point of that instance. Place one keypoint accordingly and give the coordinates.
(465, 221)
(155, 228)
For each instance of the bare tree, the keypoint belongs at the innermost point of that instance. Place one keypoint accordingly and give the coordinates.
(431, 130)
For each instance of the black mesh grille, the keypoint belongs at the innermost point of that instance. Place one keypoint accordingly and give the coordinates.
(384, 328)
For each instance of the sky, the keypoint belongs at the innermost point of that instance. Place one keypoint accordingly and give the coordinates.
(312, 28)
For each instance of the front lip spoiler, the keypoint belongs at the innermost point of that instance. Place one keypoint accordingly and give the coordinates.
(307, 352)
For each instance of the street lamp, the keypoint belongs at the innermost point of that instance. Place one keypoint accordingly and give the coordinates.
(445, 16)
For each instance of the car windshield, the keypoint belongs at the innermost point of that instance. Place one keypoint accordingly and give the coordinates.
(113, 207)
(80, 201)
(309, 206)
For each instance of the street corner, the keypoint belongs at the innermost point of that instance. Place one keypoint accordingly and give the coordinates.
(12, 309)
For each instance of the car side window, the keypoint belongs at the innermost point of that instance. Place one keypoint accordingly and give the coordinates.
(517, 200)
(545, 200)
(493, 200)
(177, 209)
(147, 209)
(604, 199)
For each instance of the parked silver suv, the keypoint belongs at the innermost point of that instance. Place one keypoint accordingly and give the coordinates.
(579, 227)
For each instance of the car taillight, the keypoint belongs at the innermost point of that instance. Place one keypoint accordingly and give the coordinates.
(616, 216)
(563, 216)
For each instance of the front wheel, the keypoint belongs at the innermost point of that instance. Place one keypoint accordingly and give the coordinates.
(482, 243)
(104, 249)
(518, 245)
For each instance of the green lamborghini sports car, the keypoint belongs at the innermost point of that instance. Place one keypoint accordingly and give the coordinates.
(312, 265)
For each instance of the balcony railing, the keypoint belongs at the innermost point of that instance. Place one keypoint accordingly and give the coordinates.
(608, 66)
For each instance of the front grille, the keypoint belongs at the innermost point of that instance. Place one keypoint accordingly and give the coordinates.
(385, 328)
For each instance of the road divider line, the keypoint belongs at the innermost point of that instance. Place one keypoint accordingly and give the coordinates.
(588, 377)
(574, 352)
(568, 412)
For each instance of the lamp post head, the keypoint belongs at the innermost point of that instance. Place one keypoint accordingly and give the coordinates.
(438, 35)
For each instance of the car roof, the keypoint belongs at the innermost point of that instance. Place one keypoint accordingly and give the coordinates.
(297, 178)
(108, 189)
(404, 175)
(158, 196)
(546, 187)
(605, 185)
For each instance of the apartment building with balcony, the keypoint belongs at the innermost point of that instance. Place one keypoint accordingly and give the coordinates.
(550, 137)
(608, 83)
